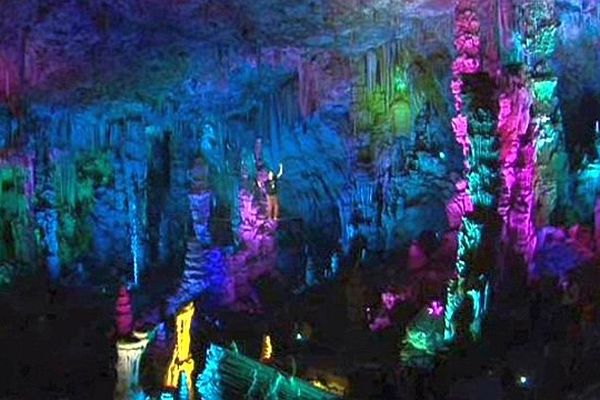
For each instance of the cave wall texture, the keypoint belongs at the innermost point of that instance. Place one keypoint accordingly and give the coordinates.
(107, 108)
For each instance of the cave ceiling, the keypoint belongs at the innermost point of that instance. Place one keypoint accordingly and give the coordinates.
(84, 50)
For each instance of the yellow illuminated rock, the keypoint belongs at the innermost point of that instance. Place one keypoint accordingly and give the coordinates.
(182, 361)
(266, 354)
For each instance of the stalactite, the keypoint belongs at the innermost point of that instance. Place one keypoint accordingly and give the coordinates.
(393, 84)
(371, 69)
(136, 247)
(134, 155)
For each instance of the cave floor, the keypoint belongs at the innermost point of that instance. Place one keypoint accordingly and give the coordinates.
(58, 346)
(55, 346)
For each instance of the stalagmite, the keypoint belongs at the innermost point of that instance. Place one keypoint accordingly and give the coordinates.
(129, 351)
(266, 353)
(468, 61)
(124, 314)
(474, 128)
(182, 360)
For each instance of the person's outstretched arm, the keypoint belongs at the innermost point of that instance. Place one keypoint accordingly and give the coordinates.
(280, 170)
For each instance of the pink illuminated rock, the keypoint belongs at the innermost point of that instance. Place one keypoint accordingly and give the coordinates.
(124, 313)
(516, 205)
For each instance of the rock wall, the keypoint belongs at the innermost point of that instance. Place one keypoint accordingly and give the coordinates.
(361, 121)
